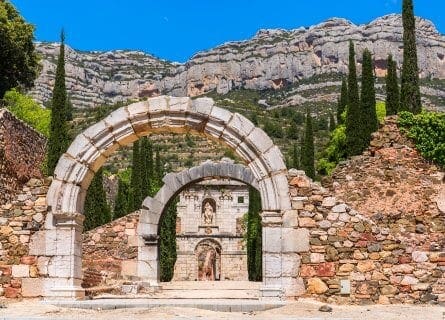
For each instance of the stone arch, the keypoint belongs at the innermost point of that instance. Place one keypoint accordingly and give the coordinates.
(90, 149)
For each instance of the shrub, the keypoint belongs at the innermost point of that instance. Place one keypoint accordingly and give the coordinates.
(427, 129)
(335, 151)
(29, 111)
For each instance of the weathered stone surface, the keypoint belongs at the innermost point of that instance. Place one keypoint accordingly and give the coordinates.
(20, 271)
(316, 286)
(32, 287)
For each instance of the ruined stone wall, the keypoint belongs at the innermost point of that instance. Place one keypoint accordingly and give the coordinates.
(22, 151)
(110, 250)
(21, 271)
(352, 258)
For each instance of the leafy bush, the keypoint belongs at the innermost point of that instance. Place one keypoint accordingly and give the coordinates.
(335, 151)
(380, 108)
(29, 111)
(427, 129)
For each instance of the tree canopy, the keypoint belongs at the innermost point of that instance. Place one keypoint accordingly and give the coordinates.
(19, 64)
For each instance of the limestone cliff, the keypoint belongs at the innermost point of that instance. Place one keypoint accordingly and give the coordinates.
(271, 59)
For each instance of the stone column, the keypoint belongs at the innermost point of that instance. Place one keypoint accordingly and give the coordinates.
(64, 249)
(148, 260)
(272, 287)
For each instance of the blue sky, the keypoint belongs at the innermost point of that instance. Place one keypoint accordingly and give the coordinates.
(176, 29)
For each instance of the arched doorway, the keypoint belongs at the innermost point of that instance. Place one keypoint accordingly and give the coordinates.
(208, 260)
(90, 149)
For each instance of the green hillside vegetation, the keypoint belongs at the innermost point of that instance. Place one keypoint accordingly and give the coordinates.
(427, 129)
(29, 111)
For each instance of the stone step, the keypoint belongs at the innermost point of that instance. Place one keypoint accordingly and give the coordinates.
(207, 294)
(211, 285)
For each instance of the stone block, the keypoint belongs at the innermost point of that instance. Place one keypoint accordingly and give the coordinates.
(20, 271)
(259, 140)
(157, 105)
(247, 152)
(11, 293)
(295, 240)
(329, 202)
(282, 187)
(214, 128)
(269, 198)
(316, 286)
(290, 265)
(290, 219)
(272, 265)
(340, 208)
(274, 160)
(100, 136)
(293, 287)
(32, 287)
(70, 170)
(241, 125)
(202, 106)
(138, 116)
(272, 240)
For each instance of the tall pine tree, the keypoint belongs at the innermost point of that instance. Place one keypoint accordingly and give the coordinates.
(145, 162)
(121, 205)
(307, 154)
(342, 101)
(354, 125)
(59, 139)
(410, 92)
(392, 88)
(254, 236)
(367, 99)
(96, 210)
(159, 169)
(295, 157)
(167, 242)
(135, 182)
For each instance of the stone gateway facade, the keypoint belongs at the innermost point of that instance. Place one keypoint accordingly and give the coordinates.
(210, 230)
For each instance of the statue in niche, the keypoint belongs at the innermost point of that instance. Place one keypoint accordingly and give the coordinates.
(208, 213)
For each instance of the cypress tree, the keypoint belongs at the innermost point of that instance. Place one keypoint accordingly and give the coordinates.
(150, 166)
(307, 154)
(135, 182)
(254, 236)
(367, 99)
(167, 242)
(410, 92)
(295, 157)
(159, 169)
(342, 101)
(332, 123)
(354, 143)
(121, 205)
(96, 210)
(59, 140)
(392, 88)
(145, 174)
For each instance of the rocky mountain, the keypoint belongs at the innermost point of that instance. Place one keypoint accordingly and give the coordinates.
(272, 59)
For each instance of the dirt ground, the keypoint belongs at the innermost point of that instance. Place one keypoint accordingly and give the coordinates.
(303, 309)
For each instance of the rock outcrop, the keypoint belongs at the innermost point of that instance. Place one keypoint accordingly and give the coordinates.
(271, 59)
(22, 151)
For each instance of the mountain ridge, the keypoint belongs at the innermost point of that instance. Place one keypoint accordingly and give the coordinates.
(271, 59)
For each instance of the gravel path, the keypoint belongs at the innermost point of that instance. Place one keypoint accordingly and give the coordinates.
(303, 309)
